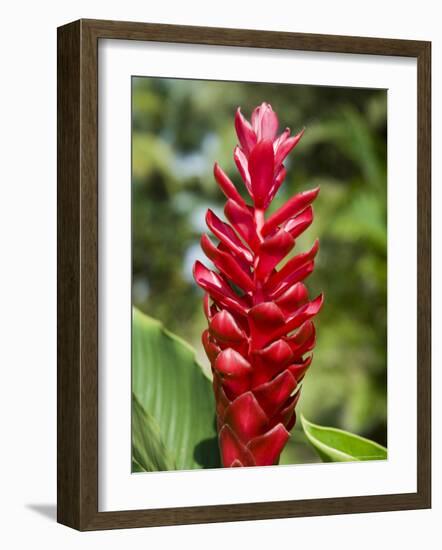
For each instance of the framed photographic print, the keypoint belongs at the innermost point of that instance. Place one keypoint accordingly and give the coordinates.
(243, 275)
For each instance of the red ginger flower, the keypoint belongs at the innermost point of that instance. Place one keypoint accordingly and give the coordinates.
(259, 318)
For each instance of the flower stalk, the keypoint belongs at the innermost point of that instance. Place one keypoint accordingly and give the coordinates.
(260, 328)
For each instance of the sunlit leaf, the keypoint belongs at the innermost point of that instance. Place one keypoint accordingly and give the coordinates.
(335, 445)
(149, 453)
(170, 386)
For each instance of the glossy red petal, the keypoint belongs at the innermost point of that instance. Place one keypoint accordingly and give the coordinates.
(211, 349)
(219, 290)
(298, 370)
(261, 167)
(292, 207)
(265, 122)
(226, 185)
(296, 277)
(308, 310)
(230, 363)
(227, 264)
(297, 225)
(234, 372)
(303, 340)
(232, 450)
(234, 387)
(267, 448)
(270, 361)
(272, 395)
(290, 422)
(227, 236)
(304, 313)
(278, 352)
(243, 167)
(277, 182)
(245, 417)
(285, 416)
(280, 139)
(210, 307)
(204, 275)
(245, 132)
(207, 306)
(264, 319)
(222, 402)
(245, 265)
(286, 146)
(289, 406)
(292, 299)
(243, 222)
(285, 273)
(224, 327)
(272, 250)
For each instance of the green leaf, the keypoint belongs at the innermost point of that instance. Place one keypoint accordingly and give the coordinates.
(335, 445)
(170, 386)
(149, 453)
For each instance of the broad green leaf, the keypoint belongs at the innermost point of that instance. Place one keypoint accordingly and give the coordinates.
(136, 468)
(335, 445)
(149, 453)
(170, 386)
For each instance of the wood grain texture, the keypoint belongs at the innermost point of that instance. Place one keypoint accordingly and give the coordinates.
(68, 276)
(77, 492)
(77, 225)
(126, 30)
(424, 274)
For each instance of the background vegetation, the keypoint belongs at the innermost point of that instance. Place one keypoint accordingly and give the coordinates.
(180, 127)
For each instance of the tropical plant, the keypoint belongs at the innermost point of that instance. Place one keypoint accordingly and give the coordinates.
(172, 403)
(259, 317)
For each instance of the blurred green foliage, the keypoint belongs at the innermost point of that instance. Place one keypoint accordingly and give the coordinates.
(180, 127)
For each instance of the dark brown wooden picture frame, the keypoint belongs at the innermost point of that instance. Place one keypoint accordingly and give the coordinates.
(77, 462)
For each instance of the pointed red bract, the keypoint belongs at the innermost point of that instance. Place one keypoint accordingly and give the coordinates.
(259, 314)
(231, 363)
(233, 452)
(272, 395)
(298, 370)
(211, 349)
(272, 250)
(226, 185)
(293, 298)
(243, 168)
(297, 225)
(224, 327)
(292, 207)
(270, 361)
(245, 132)
(245, 417)
(286, 146)
(286, 273)
(264, 319)
(217, 288)
(227, 236)
(264, 122)
(266, 448)
(243, 222)
(261, 166)
(277, 353)
(227, 264)
(303, 340)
